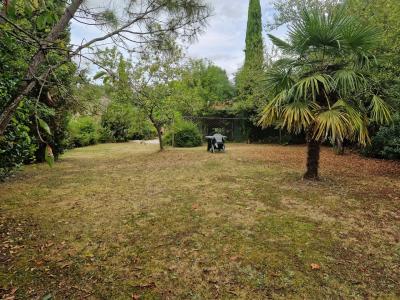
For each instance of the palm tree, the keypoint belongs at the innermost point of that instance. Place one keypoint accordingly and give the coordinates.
(321, 85)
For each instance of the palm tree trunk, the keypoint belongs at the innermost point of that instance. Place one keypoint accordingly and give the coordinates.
(339, 147)
(313, 153)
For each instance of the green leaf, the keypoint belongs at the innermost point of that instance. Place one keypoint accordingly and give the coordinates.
(99, 75)
(380, 111)
(41, 22)
(44, 126)
(281, 44)
(49, 156)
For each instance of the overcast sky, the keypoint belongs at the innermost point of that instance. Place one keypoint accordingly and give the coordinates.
(224, 39)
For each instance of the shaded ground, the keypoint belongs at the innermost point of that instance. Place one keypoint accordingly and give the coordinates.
(125, 222)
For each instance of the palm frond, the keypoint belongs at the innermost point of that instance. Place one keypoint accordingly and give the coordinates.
(297, 116)
(317, 30)
(333, 123)
(272, 111)
(348, 81)
(364, 61)
(380, 111)
(281, 44)
(309, 87)
(358, 36)
(359, 123)
(279, 78)
(332, 33)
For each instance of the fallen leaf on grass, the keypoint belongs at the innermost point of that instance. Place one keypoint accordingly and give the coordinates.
(135, 297)
(315, 267)
(39, 263)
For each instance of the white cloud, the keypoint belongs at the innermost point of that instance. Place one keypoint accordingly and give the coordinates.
(223, 41)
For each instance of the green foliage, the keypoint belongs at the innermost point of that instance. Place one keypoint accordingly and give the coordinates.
(16, 146)
(185, 135)
(249, 92)
(122, 122)
(47, 118)
(209, 82)
(288, 11)
(83, 131)
(249, 78)
(386, 143)
(118, 120)
(90, 98)
(385, 17)
(314, 88)
(155, 81)
(254, 41)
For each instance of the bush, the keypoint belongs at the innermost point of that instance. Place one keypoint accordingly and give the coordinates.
(386, 143)
(123, 122)
(118, 121)
(83, 131)
(106, 135)
(16, 145)
(145, 131)
(186, 135)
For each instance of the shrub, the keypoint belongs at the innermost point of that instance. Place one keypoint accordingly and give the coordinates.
(16, 145)
(186, 134)
(145, 131)
(106, 135)
(83, 131)
(118, 121)
(386, 143)
(123, 122)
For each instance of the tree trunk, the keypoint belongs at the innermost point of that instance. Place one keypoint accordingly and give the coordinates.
(313, 153)
(159, 133)
(339, 148)
(29, 81)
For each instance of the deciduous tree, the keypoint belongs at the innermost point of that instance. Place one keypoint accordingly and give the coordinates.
(138, 23)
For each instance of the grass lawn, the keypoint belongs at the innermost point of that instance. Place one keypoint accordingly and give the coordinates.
(123, 221)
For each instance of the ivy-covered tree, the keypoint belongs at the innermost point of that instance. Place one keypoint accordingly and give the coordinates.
(41, 116)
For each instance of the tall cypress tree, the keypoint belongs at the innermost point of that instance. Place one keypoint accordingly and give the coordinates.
(248, 79)
(254, 41)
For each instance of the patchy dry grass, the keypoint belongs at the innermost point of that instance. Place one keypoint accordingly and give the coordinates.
(125, 222)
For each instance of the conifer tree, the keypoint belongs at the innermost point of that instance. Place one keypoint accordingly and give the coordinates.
(254, 41)
(249, 77)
